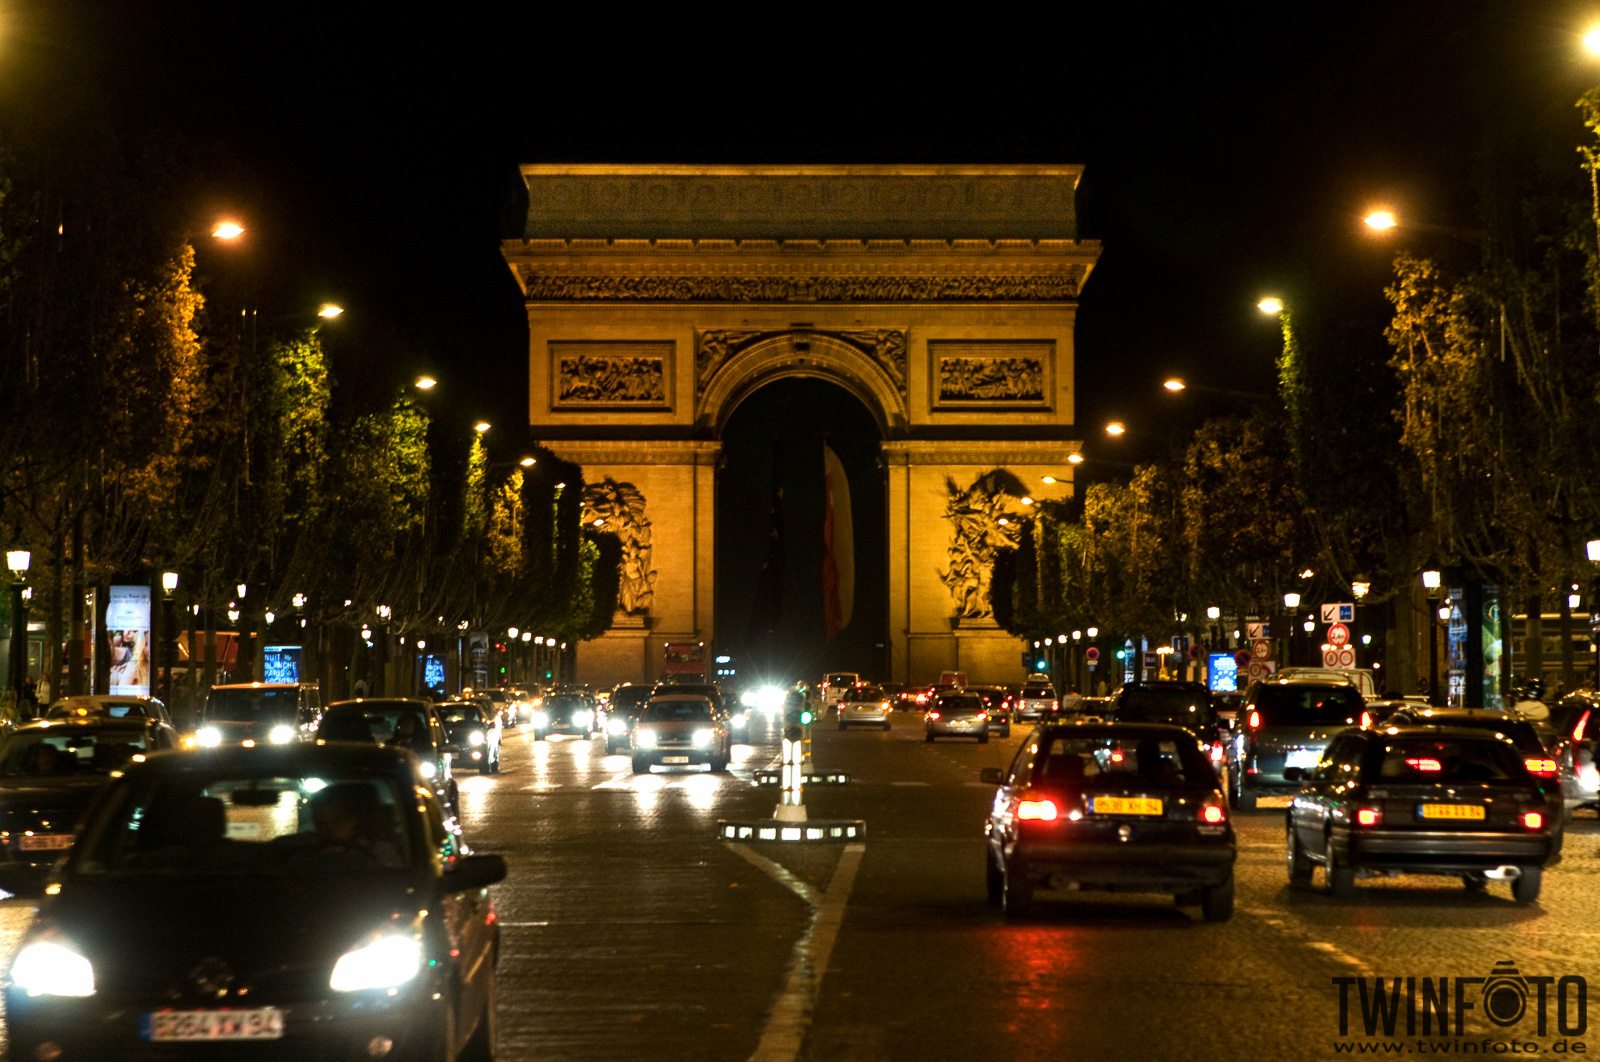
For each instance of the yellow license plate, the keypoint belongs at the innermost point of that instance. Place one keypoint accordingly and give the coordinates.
(1452, 811)
(1125, 806)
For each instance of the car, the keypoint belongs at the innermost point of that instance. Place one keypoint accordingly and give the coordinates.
(680, 729)
(864, 704)
(833, 687)
(621, 711)
(1421, 800)
(565, 712)
(1094, 709)
(109, 706)
(738, 714)
(1185, 704)
(397, 722)
(51, 769)
(263, 712)
(1227, 703)
(1109, 806)
(997, 702)
(1362, 679)
(1287, 723)
(472, 735)
(1036, 701)
(914, 698)
(504, 705)
(1379, 710)
(274, 901)
(956, 714)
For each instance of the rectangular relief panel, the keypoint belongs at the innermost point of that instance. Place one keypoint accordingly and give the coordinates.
(992, 374)
(609, 375)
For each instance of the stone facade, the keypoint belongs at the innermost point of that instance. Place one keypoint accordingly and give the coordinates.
(943, 298)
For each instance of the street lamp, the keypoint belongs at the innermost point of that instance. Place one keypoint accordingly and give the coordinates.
(425, 383)
(169, 632)
(18, 561)
(227, 229)
(1270, 305)
(481, 426)
(1431, 580)
(329, 310)
(1116, 429)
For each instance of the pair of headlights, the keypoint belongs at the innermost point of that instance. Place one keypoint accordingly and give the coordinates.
(210, 737)
(647, 739)
(385, 959)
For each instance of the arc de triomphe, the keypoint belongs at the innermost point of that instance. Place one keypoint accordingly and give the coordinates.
(942, 297)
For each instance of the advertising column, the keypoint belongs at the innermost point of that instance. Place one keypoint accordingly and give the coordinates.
(128, 639)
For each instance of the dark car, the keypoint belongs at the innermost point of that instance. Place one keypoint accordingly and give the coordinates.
(621, 712)
(997, 701)
(308, 901)
(1421, 800)
(109, 706)
(737, 715)
(1287, 723)
(51, 770)
(472, 735)
(504, 706)
(1569, 732)
(397, 722)
(565, 712)
(273, 713)
(1185, 704)
(1110, 806)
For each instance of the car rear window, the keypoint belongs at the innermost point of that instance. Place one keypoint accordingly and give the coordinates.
(841, 679)
(676, 712)
(865, 693)
(962, 705)
(1523, 735)
(1178, 706)
(1293, 704)
(1038, 691)
(1468, 760)
(1115, 761)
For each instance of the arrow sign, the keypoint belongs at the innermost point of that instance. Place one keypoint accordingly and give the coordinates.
(1339, 612)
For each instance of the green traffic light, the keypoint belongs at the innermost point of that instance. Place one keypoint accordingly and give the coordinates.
(1122, 654)
(805, 718)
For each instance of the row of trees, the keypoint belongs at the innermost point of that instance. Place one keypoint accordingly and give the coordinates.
(1461, 433)
(151, 419)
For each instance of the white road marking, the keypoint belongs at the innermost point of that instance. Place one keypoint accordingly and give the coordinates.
(779, 873)
(1334, 952)
(918, 785)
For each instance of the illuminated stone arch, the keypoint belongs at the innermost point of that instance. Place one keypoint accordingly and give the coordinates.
(854, 361)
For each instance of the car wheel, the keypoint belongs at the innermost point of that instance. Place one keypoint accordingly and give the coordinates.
(1216, 903)
(1016, 892)
(538, 735)
(928, 738)
(983, 739)
(481, 1048)
(842, 726)
(994, 880)
(1526, 888)
(1299, 862)
(1341, 879)
(888, 726)
(1240, 800)
(641, 765)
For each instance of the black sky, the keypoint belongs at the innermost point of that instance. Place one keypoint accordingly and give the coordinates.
(1229, 148)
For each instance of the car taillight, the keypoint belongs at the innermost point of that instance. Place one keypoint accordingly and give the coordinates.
(1366, 720)
(1055, 706)
(1424, 763)
(1542, 767)
(1254, 720)
(1583, 723)
(1368, 816)
(933, 715)
(1038, 810)
(1213, 814)
(983, 715)
(1218, 752)
(1532, 820)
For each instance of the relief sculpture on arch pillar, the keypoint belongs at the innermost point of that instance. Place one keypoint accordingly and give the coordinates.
(619, 509)
(983, 521)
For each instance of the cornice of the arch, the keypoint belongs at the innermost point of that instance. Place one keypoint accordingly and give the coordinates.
(870, 363)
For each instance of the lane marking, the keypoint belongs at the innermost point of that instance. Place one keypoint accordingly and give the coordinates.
(779, 873)
(917, 785)
(1339, 955)
(787, 1025)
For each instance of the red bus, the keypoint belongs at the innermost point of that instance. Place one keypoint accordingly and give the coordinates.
(685, 662)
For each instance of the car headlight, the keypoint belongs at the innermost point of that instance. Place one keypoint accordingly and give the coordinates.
(51, 968)
(209, 737)
(428, 769)
(702, 739)
(617, 727)
(541, 719)
(740, 719)
(582, 717)
(384, 962)
(281, 735)
(645, 739)
(475, 738)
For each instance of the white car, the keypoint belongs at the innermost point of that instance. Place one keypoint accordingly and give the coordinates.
(865, 704)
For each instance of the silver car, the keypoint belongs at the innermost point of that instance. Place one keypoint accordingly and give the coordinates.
(1286, 723)
(865, 705)
(956, 715)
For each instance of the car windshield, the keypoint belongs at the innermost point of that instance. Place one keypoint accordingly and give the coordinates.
(250, 705)
(1294, 704)
(563, 702)
(1113, 761)
(193, 822)
(401, 727)
(81, 750)
(630, 696)
(498, 696)
(460, 714)
(676, 712)
(1182, 707)
(1451, 760)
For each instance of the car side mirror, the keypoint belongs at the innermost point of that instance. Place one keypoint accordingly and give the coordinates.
(474, 872)
(992, 776)
(1294, 774)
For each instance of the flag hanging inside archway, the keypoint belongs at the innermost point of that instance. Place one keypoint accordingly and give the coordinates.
(838, 545)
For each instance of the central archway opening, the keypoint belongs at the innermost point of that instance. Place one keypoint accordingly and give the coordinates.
(769, 552)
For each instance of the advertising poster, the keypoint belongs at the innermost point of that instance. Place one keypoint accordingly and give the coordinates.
(1222, 673)
(280, 663)
(128, 639)
(433, 675)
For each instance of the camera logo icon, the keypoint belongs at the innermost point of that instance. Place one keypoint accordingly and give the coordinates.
(1505, 994)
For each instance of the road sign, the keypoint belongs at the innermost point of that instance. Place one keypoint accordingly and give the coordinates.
(1242, 658)
(1091, 654)
(1338, 634)
(1341, 657)
(1260, 669)
(1256, 631)
(1339, 612)
(1261, 649)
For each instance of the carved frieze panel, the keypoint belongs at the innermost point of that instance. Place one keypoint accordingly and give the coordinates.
(619, 509)
(591, 375)
(886, 347)
(1010, 375)
(983, 521)
(570, 287)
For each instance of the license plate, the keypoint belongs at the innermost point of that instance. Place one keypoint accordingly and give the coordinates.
(44, 842)
(1452, 811)
(674, 759)
(1304, 758)
(191, 1025)
(1125, 806)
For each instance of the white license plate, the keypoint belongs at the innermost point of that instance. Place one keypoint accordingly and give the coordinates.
(1305, 758)
(190, 1025)
(44, 842)
(674, 759)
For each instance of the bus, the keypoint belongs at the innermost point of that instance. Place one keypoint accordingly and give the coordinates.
(684, 662)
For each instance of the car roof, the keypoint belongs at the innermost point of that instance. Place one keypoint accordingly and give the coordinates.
(1114, 729)
(265, 759)
(261, 685)
(680, 697)
(379, 702)
(1433, 730)
(131, 722)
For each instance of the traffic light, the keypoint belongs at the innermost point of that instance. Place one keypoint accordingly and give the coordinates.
(1041, 664)
(806, 717)
(1122, 654)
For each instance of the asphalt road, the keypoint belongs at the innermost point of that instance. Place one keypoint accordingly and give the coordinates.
(631, 931)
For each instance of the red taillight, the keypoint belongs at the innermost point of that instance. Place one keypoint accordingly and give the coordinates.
(1583, 723)
(1218, 753)
(1424, 763)
(983, 715)
(1213, 815)
(1366, 720)
(1254, 720)
(1541, 767)
(1038, 810)
(922, 698)
(1532, 820)
(933, 715)
(1368, 816)
(1055, 706)
(1116, 757)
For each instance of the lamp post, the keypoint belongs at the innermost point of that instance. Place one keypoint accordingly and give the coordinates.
(169, 632)
(18, 561)
(1291, 601)
(1431, 581)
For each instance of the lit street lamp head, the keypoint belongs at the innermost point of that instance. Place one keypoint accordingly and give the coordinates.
(227, 229)
(1381, 220)
(1270, 305)
(1174, 385)
(425, 383)
(1116, 428)
(1591, 40)
(329, 310)
(481, 427)
(18, 561)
